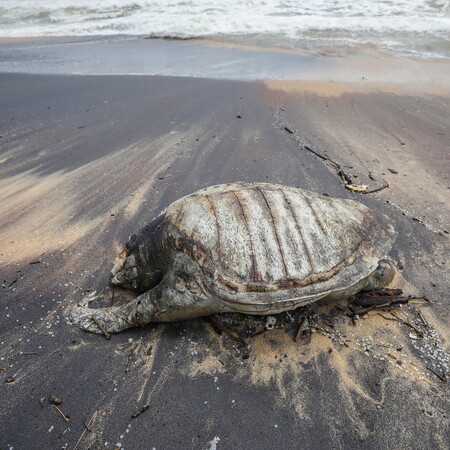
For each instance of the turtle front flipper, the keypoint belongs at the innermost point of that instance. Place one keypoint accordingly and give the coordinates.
(114, 319)
(179, 296)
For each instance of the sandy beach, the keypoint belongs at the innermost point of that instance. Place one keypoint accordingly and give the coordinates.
(88, 159)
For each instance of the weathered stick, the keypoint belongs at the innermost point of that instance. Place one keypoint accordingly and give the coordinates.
(138, 413)
(381, 306)
(300, 329)
(85, 429)
(423, 319)
(407, 323)
(443, 379)
(370, 191)
(323, 157)
(123, 318)
(100, 326)
(215, 323)
(66, 418)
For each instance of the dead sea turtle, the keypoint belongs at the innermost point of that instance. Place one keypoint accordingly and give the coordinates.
(254, 248)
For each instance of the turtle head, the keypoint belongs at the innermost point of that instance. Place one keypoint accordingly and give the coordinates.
(382, 276)
(141, 264)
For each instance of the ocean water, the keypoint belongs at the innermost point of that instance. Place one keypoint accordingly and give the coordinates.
(412, 27)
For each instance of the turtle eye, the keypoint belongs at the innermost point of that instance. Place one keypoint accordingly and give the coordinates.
(129, 262)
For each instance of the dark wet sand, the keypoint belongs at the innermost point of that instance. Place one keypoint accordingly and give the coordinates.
(85, 161)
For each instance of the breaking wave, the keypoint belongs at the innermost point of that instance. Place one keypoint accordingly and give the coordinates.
(413, 26)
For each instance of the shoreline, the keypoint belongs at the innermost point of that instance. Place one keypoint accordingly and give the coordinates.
(306, 46)
(123, 55)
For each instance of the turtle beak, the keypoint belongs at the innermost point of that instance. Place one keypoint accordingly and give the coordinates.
(119, 262)
(124, 271)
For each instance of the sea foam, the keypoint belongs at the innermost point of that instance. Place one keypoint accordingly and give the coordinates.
(412, 26)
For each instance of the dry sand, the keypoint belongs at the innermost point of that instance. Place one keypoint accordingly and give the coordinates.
(86, 161)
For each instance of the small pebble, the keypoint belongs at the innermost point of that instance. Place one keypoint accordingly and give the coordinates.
(54, 400)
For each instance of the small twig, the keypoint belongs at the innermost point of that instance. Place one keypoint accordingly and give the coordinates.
(419, 297)
(443, 379)
(388, 318)
(423, 319)
(12, 282)
(129, 364)
(138, 413)
(2, 368)
(378, 297)
(105, 333)
(230, 366)
(328, 323)
(381, 306)
(123, 318)
(320, 330)
(131, 360)
(344, 309)
(86, 425)
(34, 262)
(300, 329)
(258, 333)
(85, 429)
(319, 155)
(29, 353)
(370, 191)
(426, 301)
(66, 418)
(216, 323)
(407, 323)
